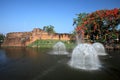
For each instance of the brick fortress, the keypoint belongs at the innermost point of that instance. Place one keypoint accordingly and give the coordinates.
(25, 38)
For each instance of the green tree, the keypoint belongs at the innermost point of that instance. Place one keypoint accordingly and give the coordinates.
(79, 20)
(1, 38)
(49, 29)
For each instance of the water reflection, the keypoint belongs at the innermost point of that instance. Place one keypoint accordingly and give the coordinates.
(18, 56)
(24, 63)
(37, 64)
(3, 57)
(16, 53)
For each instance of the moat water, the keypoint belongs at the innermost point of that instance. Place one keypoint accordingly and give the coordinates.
(38, 64)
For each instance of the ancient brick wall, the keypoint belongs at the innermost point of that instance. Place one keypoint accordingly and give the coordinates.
(25, 38)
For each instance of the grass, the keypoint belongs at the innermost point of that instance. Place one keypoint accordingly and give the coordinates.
(50, 44)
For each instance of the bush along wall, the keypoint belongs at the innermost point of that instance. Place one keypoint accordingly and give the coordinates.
(50, 44)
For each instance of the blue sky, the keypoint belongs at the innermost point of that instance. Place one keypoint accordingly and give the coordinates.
(24, 15)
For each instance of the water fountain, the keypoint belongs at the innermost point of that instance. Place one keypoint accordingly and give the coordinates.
(99, 48)
(84, 56)
(59, 49)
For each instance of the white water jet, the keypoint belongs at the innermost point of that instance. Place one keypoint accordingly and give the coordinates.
(59, 49)
(99, 48)
(84, 56)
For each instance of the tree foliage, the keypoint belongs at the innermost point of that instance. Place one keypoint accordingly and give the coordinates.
(1, 38)
(78, 20)
(49, 29)
(100, 21)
